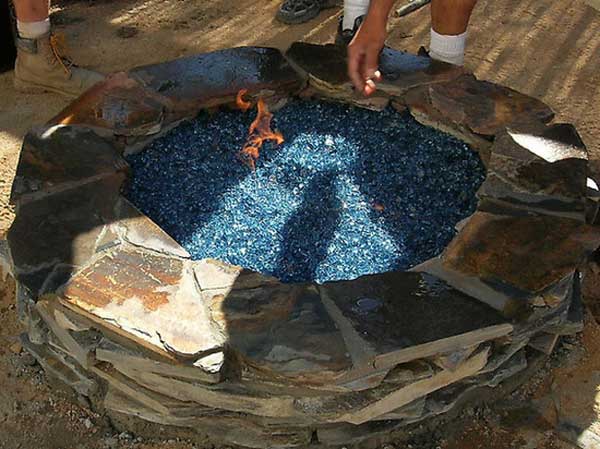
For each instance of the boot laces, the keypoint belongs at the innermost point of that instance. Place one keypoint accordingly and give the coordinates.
(59, 49)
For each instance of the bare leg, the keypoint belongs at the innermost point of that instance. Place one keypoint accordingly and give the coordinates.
(451, 17)
(449, 21)
(31, 10)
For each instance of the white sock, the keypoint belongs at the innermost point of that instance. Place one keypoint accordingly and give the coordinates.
(33, 30)
(352, 10)
(448, 48)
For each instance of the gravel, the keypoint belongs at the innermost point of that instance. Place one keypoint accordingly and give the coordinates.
(350, 192)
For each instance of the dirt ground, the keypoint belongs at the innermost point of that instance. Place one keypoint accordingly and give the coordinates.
(545, 48)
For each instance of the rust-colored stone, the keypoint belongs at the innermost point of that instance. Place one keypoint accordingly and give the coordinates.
(484, 107)
(54, 236)
(527, 252)
(119, 104)
(419, 105)
(126, 276)
(152, 299)
(539, 167)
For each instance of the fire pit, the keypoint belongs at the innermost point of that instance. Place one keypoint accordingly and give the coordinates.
(319, 337)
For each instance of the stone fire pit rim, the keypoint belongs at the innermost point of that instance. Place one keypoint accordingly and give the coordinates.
(79, 250)
(129, 109)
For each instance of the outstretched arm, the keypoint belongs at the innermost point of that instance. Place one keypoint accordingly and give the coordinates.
(363, 51)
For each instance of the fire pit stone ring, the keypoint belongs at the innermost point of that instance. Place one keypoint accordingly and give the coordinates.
(118, 311)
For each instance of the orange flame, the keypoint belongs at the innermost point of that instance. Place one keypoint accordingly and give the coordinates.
(378, 207)
(240, 102)
(259, 132)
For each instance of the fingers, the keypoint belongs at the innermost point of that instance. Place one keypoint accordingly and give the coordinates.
(370, 64)
(370, 84)
(369, 88)
(362, 77)
(354, 70)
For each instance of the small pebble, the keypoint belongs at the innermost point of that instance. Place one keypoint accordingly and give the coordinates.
(123, 436)
(16, 347)
(350, 192)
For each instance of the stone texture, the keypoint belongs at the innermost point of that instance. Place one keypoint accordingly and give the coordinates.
(64, 340)
(399, 309)
(62, 157)
(133, 227)
(53, 236)
(226, 428)
(509, 303)
(528, 252)
(5, 261)
(484, 107)
(126, 360)
(400, 71)
(544, 343)
(539, 168)
(324, 62)
(476, 389)
(322, 91)
(149, 298)
(60, 367)
(215, 78)
(216, 275)
(398, 317)
(420, 107)
(474, 108)
(573, 322)
(120, 104)
(245, 359)
(350, 434)
(406, 395)
(283, 328)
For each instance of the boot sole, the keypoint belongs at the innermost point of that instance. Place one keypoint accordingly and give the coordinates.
(31, 88)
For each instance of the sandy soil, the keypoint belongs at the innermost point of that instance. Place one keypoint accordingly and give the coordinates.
(544, 48)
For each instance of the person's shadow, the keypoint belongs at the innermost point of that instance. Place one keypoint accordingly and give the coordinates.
(308, 233)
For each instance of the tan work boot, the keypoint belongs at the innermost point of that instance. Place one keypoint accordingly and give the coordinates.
(40, 67)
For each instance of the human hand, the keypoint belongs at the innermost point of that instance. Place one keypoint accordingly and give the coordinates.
(363, 53)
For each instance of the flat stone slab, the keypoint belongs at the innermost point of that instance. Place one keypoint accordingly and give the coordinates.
(229, 428)
(400, 71)
(119, 104)
(215, 78)
(284, 328)
(401, 309)
(394, 318)
(486, 107)
(539, 167)
(482, 107)
(153, 299)
(51, 237)
(158, 301)
(528, 252)
(149, 98)
(57, 158)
